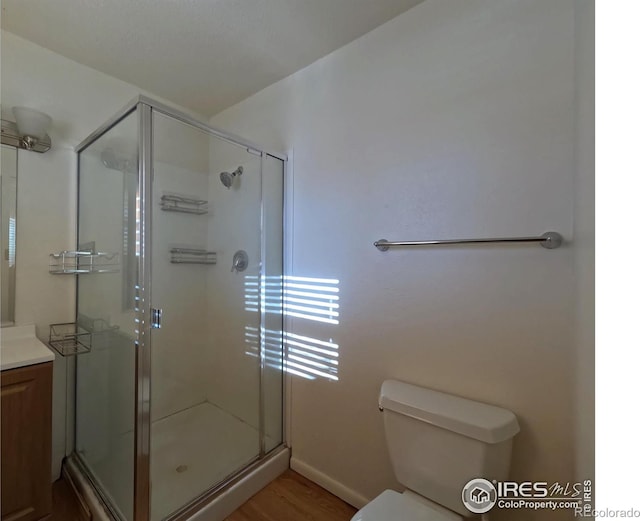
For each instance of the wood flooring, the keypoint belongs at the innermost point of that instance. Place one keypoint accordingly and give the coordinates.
(291, 497)
(65, 503)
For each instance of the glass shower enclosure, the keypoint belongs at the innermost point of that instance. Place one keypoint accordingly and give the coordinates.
(181, 392)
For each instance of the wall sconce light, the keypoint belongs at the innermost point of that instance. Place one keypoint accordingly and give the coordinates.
(32, 125)
(29, 131)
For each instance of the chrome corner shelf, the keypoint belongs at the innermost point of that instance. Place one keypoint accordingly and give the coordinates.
(69, 339)
(184, 204)
(81, 262)
(192, 256)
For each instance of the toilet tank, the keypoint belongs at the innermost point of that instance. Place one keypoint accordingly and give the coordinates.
(438, 442)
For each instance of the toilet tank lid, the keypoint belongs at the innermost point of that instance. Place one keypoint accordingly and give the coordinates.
(473, 419)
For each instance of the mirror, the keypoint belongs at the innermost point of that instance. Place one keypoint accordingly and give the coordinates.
(8, 177)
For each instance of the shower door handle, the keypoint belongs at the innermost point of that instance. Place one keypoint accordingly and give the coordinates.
(156, 318)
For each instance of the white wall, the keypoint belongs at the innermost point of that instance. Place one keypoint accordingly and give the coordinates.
(45, 224)
(79, 99)
(455, 119)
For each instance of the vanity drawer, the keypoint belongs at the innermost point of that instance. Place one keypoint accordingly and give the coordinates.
(26, 442)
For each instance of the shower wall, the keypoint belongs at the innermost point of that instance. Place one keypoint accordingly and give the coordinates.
(233, 381)
(206, 379)
(232, 367)
(208, 348)
(180, 166)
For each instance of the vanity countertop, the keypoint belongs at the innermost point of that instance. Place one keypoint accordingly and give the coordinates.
(20, 347)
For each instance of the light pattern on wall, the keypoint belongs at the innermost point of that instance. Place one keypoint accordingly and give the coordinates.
(302, 297)
(307, 298)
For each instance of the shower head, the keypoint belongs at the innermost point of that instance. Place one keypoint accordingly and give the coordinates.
(228, 178)
(109, 159)
(112, 160)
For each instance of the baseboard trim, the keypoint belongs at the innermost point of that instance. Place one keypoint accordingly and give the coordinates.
(328, 483)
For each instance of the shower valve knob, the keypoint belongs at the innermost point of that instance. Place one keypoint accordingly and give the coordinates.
(240, 261)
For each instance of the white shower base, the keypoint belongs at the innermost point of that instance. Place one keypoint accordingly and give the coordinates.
(194, 450)
(191, 451)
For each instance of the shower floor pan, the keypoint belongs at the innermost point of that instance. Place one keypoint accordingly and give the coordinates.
(187, 460)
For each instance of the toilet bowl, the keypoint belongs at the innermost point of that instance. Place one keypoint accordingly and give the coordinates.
(437, 443)
(394, 506)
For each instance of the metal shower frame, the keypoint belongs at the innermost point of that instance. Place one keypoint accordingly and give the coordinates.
(142, 496)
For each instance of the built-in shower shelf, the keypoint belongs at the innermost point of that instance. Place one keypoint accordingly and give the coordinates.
(69, 339)
(184, 204)
(81, 262)
(192, 256)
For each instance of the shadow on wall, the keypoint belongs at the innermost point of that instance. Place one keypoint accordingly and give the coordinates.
(307, 298)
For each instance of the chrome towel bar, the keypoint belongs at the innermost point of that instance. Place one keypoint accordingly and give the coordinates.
(549, 240)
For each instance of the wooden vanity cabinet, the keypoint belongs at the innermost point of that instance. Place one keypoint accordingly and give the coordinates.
(26, 442)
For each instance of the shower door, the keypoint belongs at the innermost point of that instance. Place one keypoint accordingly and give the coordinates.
(206, 258)
(108, 213)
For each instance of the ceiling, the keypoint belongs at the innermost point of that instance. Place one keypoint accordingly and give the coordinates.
(202, 54)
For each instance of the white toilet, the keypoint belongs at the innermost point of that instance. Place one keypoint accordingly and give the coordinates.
(437, 443)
